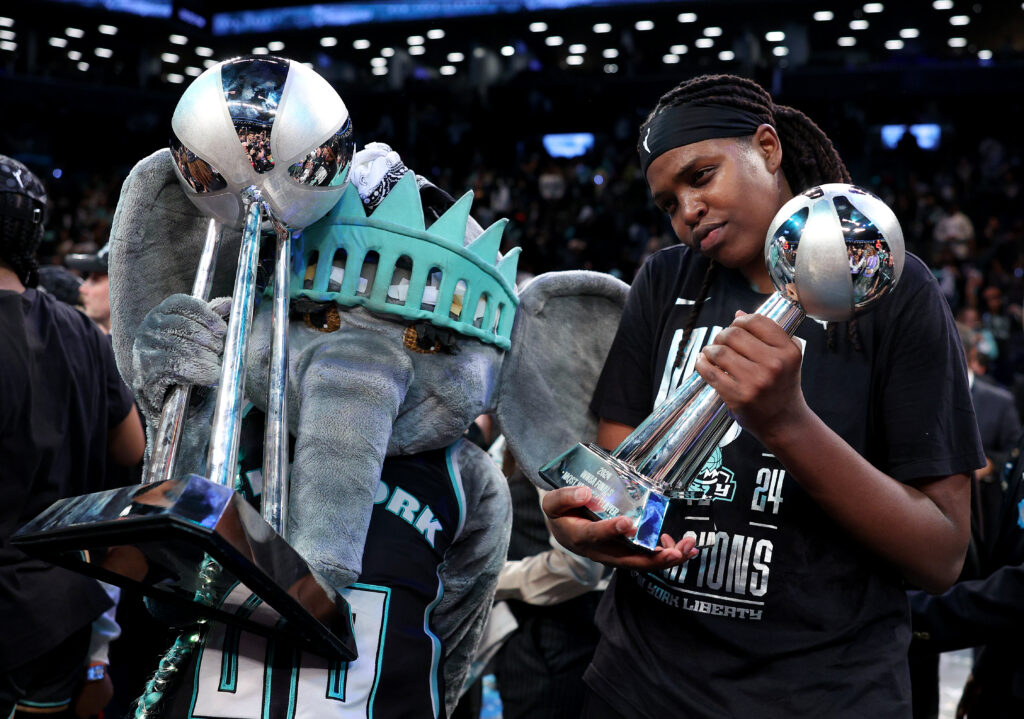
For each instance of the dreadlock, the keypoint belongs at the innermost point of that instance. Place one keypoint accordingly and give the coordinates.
(808, 156)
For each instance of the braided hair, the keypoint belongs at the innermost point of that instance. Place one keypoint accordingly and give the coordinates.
(808, 156)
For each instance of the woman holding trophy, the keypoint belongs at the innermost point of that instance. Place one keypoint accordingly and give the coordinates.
(846, 479)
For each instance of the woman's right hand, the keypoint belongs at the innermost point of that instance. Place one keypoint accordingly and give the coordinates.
(606, 540)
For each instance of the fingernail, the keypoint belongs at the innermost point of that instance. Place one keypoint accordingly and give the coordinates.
(580, 494)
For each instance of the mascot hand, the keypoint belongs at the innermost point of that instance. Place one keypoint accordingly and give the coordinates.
(180, 341)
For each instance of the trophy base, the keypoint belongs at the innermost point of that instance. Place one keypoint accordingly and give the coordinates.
(618, 491)
(200, 546)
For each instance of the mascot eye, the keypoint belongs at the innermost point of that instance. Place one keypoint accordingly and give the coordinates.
(325, 320)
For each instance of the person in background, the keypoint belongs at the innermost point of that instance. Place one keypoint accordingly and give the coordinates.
(65, 417)
(95, 289)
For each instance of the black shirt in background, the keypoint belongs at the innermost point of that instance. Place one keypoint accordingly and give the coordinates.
(60, 393)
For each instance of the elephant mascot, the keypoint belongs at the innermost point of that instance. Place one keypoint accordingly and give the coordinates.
(405, 326)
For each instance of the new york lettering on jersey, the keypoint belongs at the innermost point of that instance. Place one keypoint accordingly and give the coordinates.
(418, 512)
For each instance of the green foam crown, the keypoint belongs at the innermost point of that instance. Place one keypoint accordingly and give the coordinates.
(421, 273)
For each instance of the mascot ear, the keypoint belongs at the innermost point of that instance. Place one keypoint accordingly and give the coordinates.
(563, 330)
(156, 239)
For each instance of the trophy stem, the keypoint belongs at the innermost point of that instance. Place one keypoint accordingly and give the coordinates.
(172, 416)
(275, 454)
(222, 460)
(645, 437)
(679, 440)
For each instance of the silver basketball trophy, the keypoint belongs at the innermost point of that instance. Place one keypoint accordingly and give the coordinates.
(832, 251)
(252, 138)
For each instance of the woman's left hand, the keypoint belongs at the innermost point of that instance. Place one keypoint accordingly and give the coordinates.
(755, 368)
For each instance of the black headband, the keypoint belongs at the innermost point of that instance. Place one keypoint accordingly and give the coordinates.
(680, 125)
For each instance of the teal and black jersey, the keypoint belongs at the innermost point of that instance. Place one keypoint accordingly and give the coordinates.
(419, 512)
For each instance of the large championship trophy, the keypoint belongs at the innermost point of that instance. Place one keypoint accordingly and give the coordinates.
(253, 139)
(831, 251)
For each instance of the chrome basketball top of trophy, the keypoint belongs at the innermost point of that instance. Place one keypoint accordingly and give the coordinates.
(835, 249)
(267, 123)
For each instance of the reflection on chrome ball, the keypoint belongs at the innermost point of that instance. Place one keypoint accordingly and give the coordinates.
(263, 122)
(835, 249)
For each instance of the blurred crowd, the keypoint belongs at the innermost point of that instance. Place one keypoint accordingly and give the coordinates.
(960, 213)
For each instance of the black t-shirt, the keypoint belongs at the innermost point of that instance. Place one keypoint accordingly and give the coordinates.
(785, 615)
(60, 392)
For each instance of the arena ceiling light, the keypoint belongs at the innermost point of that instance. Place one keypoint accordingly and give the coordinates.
(387, 52)
(602, 27)
(538, 27)
(414, 40)
(712, 31)
(360, 44)
(984, 54)
(780, 51)
(107, 30)
(205, 51)
(823, 15)
(169, 57)
(943, 4)
(275, 46)
(644, 25)
(209, 62)
(508, 51)
(704, 43)
(104, 52)
(175, 78)
(58, 42)
(382, 70)
(775, 36)
(435, 34)
(574, 60)
(178, 40)
(74, 32)
(687, 17)
(670, 59)
(447, 70)
(959, 20)
(417, 50)
(479, 52)
(957, 42)
(7, 34)
(260, 51)
(611, 68)
(456, 57)
(8, 45)
(893, 44)
(609, 53)
(577, 48)
(6, 22)
(679, 49)
(909, 33)
(82, 66)
(193, 71)
(378, 62)
(74, 55)
(846, 41)
(859, 24)
(553, 40)
(874, 7)
(727, 56)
